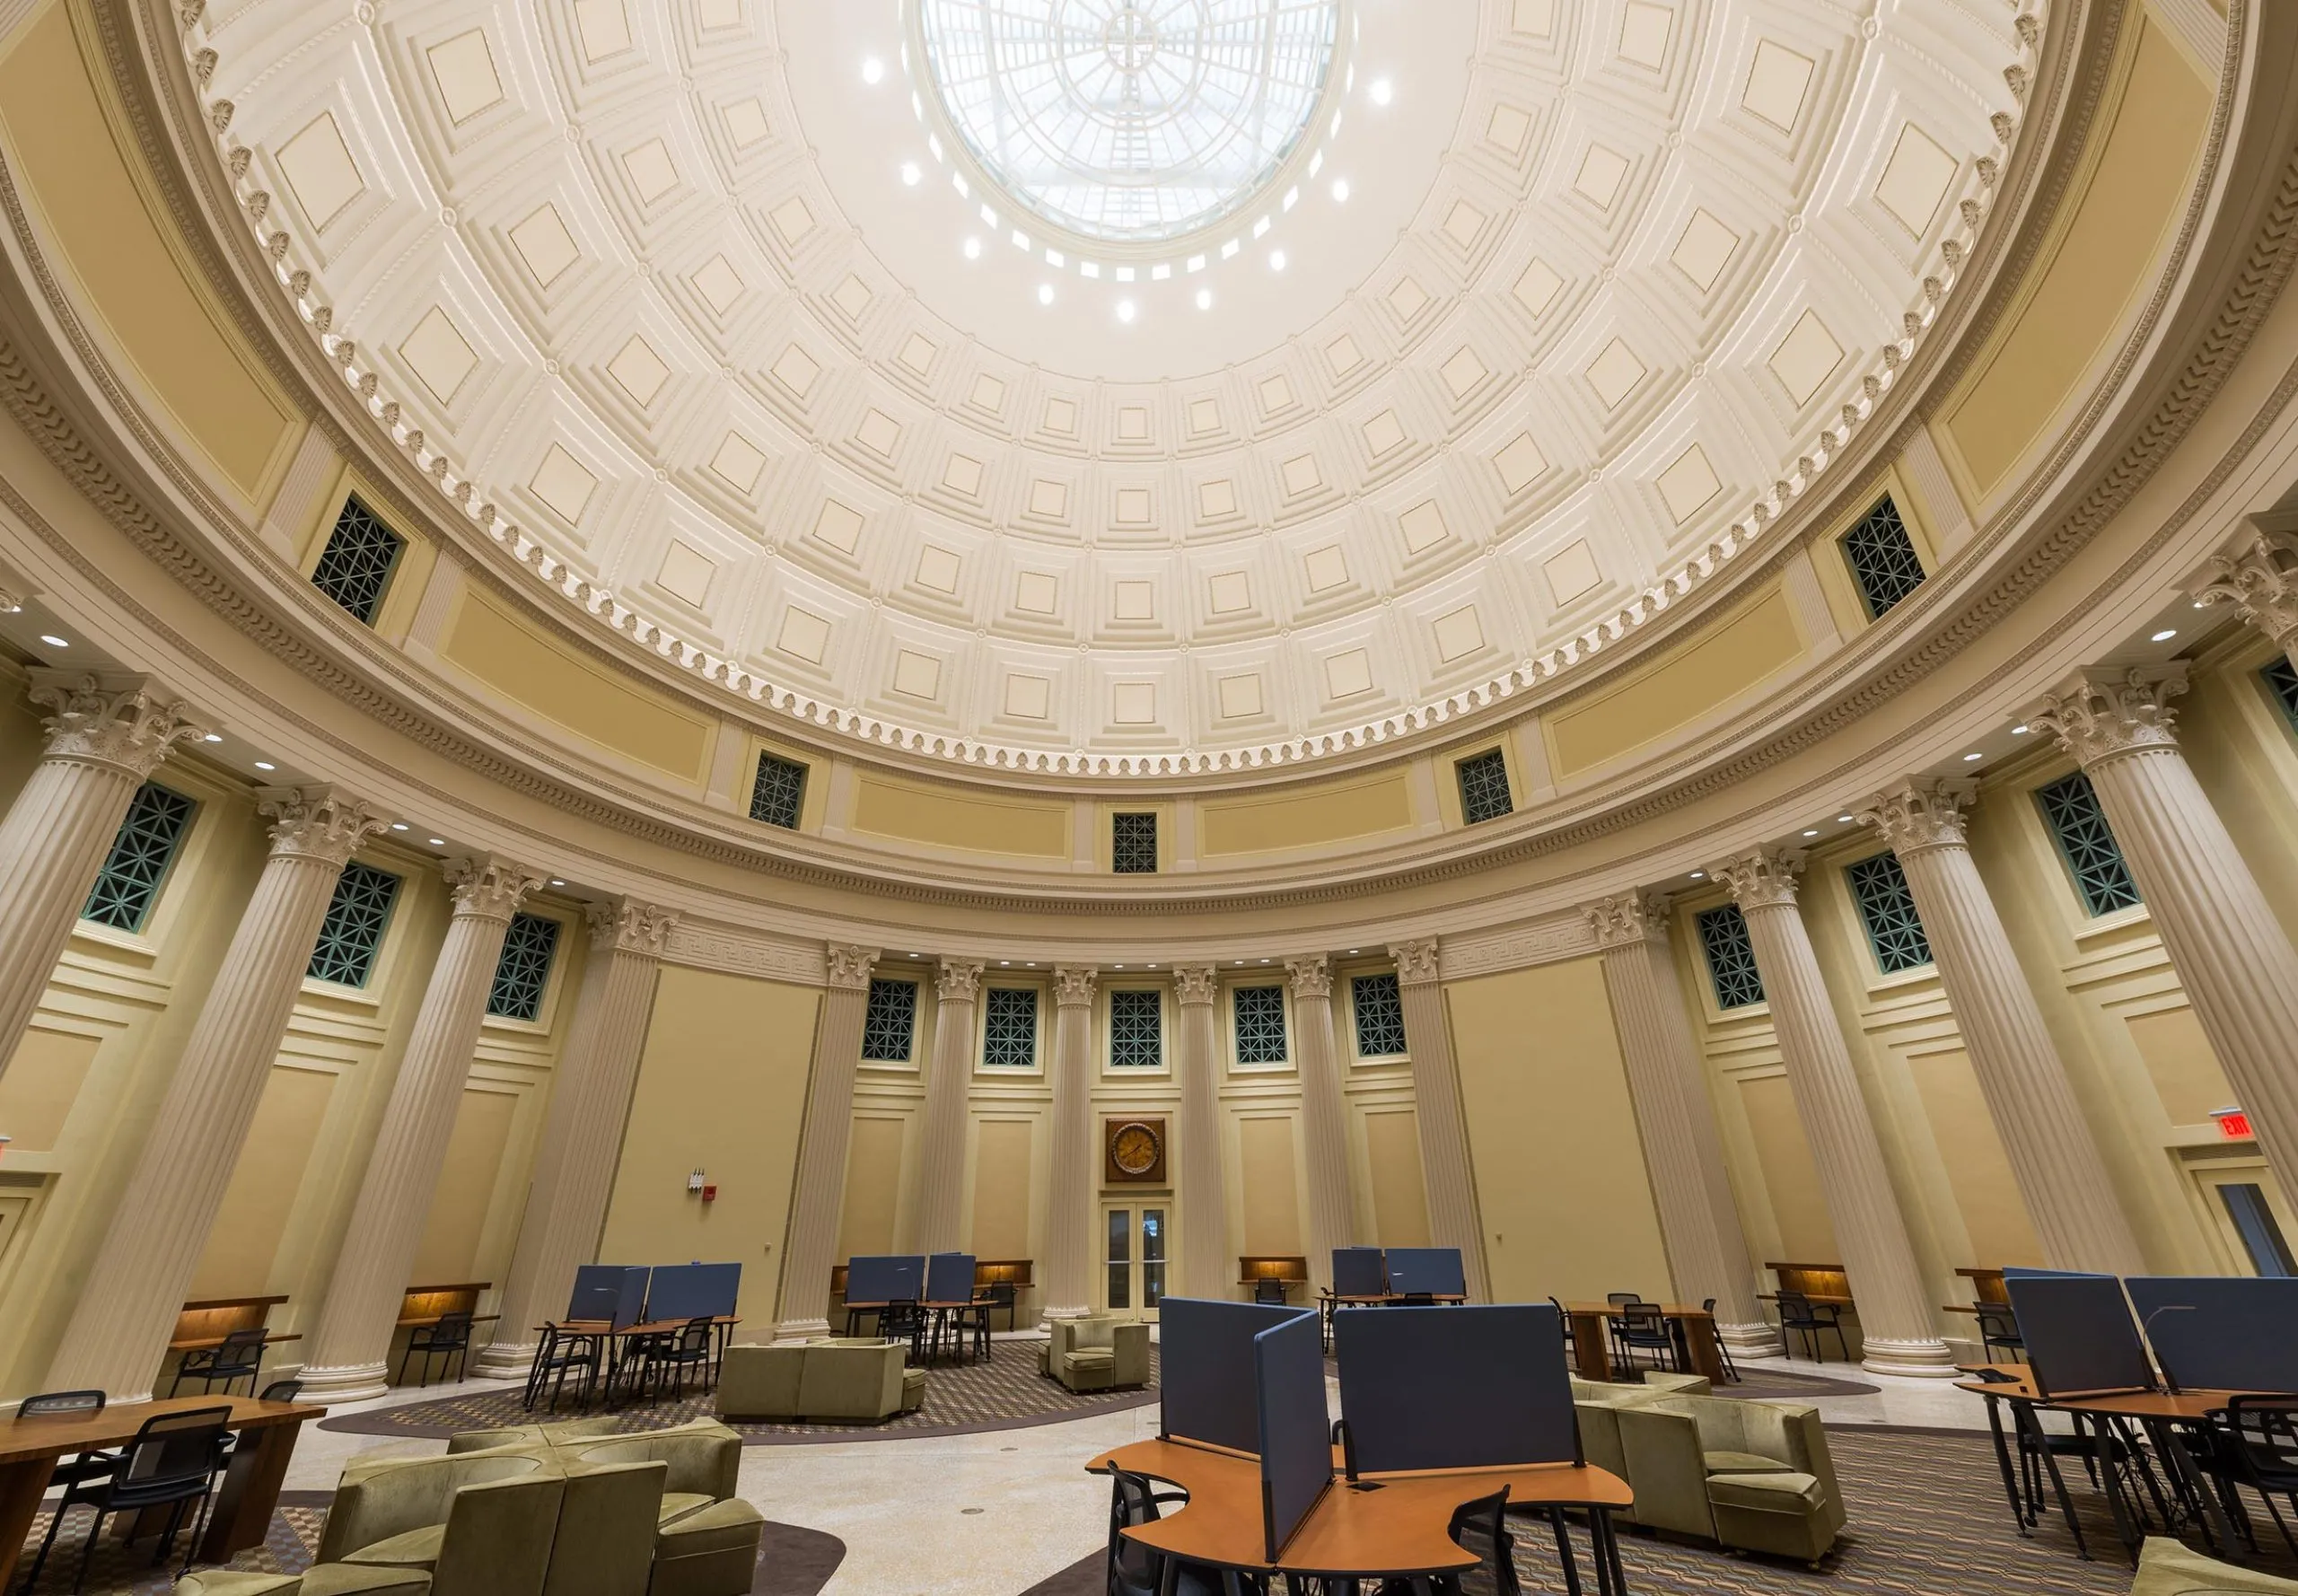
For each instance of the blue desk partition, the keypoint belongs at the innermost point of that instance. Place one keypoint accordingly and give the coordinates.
(1428, 1271)
(2221, 1334)
(895, 1279)
(1358, 1272)
(1295, 1443)
(614, 1292)
(693, 1291)
(1455, 1388)
(2079, 1333)
(949, 1277)
(1205, 1375)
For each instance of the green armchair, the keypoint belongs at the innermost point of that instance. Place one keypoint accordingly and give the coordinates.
(1098, 1353)
(571, 1432)
(480, 1524)
(704, 1460)
(2166, 1568)
(849, 1381)
(322, 1579)
(1754, 1476)
(604, 1543)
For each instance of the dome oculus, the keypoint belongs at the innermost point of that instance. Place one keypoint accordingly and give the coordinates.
(1130, 121)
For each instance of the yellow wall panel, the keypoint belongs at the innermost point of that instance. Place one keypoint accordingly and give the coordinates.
(945, 818)
(1272, 1204)
(42, 1084)
(1311, 816)
(872, 1188)
(482, 1134)
(1699, 677)
(256, 1204)
(1805, 1232)
(2187, 1074)
(1399, 1195)
(1978, 1172)
(1001, 1189)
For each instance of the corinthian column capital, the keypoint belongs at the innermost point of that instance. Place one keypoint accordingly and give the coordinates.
(2100, 714)
(1765, 879)
(850, 966)
(1627, 919)
(125, 722)
(958, 981)
(1917, 815)
(622, 926)
(1417, 961)
(1311, 978)
(489, 889)
(1198, 983)
(324, 824)
(2260, 580)
(1072, 987)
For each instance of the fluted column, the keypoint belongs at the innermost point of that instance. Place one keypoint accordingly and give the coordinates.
(941, 1166)
(106, 734)
(1200, 1190)
(1068, 1285)
(349, 1348)
(819, 1198)
(2057, 1165)
(2233, 957)
(581, 1129)
(2260, 580)
(117, 1338)
(1675, 1118)
(1445, 1171)
(1895, 1313)
(1324, 1116)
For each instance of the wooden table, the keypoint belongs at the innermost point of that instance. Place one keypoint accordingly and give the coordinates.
(1398, 1530)
(1694, 1328)
(29, 1448)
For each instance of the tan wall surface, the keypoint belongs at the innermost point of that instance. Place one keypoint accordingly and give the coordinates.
(872, 1187)
(1399, 1195)
(948, 818)
(449, 1253)
(1001, 1189)
(253, 1218)
(1271, 1204)
(1790, 1178)
(1304, 817)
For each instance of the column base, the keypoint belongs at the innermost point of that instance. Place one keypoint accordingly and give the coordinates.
(1758, 1340)
(1928, 1359)
(506, 1360)
(352, 1382)
(801, 1330)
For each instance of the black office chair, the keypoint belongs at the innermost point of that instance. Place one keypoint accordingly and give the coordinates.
(1269, 1293)
(1134, 1570)
(1722, 1347)
(239, 1357)
(1481, 1526)
(86, 1465)
(903, 1322)
(1571, 1346)
(673, 1357)
(449, 1338)
(562, 1354)
(1001, 1293)
(969, 1328)
(1810, 1321)
(2256, 1445)
(171, 1463)
(1998, 1328)
(280, 1390)
(1643, 1328)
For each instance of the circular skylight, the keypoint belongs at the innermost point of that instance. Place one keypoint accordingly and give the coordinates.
(1130, 120)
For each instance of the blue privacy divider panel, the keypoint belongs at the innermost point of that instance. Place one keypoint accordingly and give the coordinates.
(1436, 1271)
(1295, 1443)
(2079, 1333)
(1205, 1362)
(900, 1278)
(693, 1291)
(614, 1292)
(1455, 1388)
(2222, 1333)
(1358, 1272)
(949, 1277)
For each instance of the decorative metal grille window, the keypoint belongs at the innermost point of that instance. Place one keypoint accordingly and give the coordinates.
(1136, 1031)
(1133, 844)
(352, 934)
(525, 969)
(2282, 681)
(1879, 886)
(778, 794)
(1882, 559)
(2071, 810)
(1009, 1040)
(1731, 957)
(890, 1023)
(1379, 1006)
(356, 568)
(1260, 1024)
(1483, 788)
(129, 882)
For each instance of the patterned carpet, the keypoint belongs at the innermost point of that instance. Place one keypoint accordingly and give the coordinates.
(792, 1561)
(1928, 1517)
(1004, 1393)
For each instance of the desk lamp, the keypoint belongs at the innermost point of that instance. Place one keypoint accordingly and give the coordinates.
(2146, 1332)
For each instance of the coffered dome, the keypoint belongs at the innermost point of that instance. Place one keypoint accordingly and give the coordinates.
(1120, 388)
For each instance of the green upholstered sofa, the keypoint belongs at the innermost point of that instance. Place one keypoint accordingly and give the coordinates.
(1098, 1354)
(325, 1579)
(1595, 1402)
(2166, 1568)
(836, 1378)
(1754, 1476)
(480, 1522)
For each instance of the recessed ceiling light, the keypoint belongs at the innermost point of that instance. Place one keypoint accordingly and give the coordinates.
(53, 641)
(557, 882)
(2018, 731)
(1125, 310)
(1264, 962)
(1382, 90)
(1811, 834)
(1120, 967)
(1004, 963)
(1033, 964)
(1204, 299)
(1352, 953)
(1843, 819)
(2165, 635)
(213, 737)
(1699, 875)
(1340, 189)
(2200, 604)
(1045, 294)
(910, 175)
(265, 765)
(1276, 260)
(1968, 758)
(872, 70)
(398, 824)
(438, 842)
(973, 248)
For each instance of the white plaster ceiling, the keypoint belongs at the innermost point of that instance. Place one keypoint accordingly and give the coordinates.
(640, 284)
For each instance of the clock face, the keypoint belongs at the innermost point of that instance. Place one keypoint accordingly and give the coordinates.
(1135, 1149)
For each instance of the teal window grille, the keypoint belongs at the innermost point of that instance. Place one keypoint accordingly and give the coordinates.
(779, 792)
(356, 568)
(1887, 907)
(352, 934)
(1136, 1031)
(2079, 826)
(1882, 559)
(1009, 1039)
(890, 1021)
(1731, 957)
(2282, 681)
(524, 971)
(1484, 786)
(1133, 844)
(1377, 1003)
(1259, 1013)
(128, 885)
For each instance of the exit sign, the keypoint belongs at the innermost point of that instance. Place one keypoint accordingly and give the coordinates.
(2233, 1124)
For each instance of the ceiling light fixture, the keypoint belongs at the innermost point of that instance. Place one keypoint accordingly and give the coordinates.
(2018, 731)
(2165, 635)
(213, 737)
(265, 765)
(1843, 819)
(973, 248)
(1811, 834)
(1276, 260)
(873, 70)
(1699, 875)
(53, 641)
(1971, 759)
(1204, 299)
(1341, 191)
(1382, 90)
(438, 842)
(557, 882)
(1045, 294)
(398, 824)
(910, 175)
(1125, 310)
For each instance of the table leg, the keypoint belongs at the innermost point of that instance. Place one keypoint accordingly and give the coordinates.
(2103, 1447)
(2041, 1442)
(243, 1508)
(1697, 1336)
(21, 1486)
(2189, 1479)
(1612, 1575)
(2003, 1461)
(1590, 1346)
(1564, 1551)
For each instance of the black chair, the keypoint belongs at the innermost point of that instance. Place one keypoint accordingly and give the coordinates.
(1619, 1299)
(1643, 1328)
(969, 1328)
(86, 1465)
(1571, 1345)
(171, 1463)
(903, 1321)
(1134, 1570)
(674, 1357)
(1484, 1520)
(1811, 1319)
(1998, 1328)
(239, 1357)
(449, 1338)
(562, 1354)
(1268, 1293)
(281, 1390)
(1722, 1347)
(1000, 1293)
(2255, 1443)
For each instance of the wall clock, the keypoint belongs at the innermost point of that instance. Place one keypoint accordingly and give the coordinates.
(1134, 1151)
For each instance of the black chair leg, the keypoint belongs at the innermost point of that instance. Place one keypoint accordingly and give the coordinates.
(88, 1553)
(39, 1560)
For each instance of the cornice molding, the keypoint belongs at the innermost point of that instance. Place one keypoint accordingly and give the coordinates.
(737, 951)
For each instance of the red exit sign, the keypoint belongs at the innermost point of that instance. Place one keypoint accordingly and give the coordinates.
(2233, 1124)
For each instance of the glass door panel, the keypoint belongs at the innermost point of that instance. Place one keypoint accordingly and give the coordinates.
(1135, 1251)
(1118, 1271)
(2252, 1219)
(1153, 1258)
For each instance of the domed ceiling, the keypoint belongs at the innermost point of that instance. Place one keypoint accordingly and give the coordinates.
(1166, 384)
